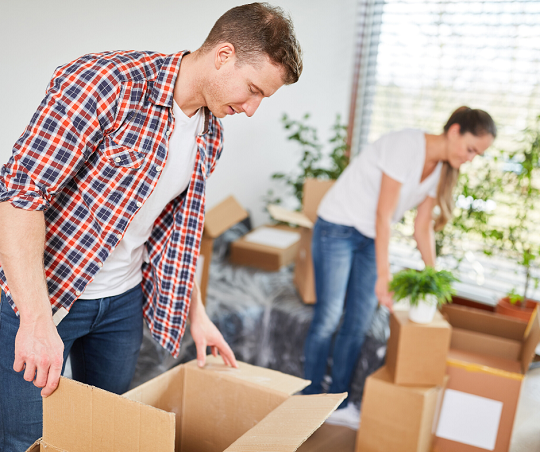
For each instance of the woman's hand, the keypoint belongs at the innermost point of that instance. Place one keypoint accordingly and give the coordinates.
(383, 294)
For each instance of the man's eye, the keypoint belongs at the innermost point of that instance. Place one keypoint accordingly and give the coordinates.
(251, 91)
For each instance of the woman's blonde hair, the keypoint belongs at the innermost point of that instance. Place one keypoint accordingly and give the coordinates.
(477, 122)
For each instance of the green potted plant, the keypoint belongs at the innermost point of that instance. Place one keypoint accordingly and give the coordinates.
(518, 240)
(424, 289)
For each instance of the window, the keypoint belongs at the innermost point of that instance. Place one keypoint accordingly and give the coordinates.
(417, 61)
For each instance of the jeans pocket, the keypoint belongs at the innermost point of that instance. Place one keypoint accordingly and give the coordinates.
(336, 231)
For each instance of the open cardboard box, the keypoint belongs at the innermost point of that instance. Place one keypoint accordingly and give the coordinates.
(219, 219)
(489, 355)
(274, 247)
(187, 409)
(314, 191)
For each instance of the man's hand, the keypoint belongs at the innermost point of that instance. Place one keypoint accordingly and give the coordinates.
(40, 351)
(384, 296)
(205, 334)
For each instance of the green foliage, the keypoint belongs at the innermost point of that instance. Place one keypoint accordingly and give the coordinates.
(514, 297)
(311, 164)
(511, 179)
(416, 284)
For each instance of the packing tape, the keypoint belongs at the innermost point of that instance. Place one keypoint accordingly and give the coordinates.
(471, 367)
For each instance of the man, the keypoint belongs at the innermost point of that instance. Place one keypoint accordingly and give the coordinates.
(102, 208)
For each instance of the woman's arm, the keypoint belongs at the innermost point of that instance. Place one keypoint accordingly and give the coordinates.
(423, 231)
(386, 206)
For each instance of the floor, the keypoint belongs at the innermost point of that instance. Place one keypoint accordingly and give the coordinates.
(525, 438)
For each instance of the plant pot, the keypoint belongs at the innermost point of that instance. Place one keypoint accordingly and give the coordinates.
(425, 310)
(504, 307)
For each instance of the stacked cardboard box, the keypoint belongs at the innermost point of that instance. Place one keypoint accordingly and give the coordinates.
(314, 191)
(186, 409)
(488, 357)
(218, 219)
(402, 400)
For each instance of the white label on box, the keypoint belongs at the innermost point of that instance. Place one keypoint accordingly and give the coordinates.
(276, 238)
(469, 419)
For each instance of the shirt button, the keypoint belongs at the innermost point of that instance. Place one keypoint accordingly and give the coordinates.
(100, 264)
(78, 293)
(158, 168)
(119, 236)
(168, 133)
(139, 204)
(117, 159)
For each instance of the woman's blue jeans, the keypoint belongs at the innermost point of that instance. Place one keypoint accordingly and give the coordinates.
(345, 276)
(102, 337)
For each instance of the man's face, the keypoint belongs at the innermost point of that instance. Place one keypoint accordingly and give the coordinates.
(240, 88)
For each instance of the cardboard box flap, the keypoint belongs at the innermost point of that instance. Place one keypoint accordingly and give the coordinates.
(485, 322)
(82, 418)
(314, 191)
(223, 216)
(533, 338)
(259, 376)
(289, 425)
(34, 447)
(288, 216)
(40, 445)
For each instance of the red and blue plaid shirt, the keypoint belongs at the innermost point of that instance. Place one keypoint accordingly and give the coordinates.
(89, 158)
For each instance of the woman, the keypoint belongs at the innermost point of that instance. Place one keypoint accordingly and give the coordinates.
(400, 171)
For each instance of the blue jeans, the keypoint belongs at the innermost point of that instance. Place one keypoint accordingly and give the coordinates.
(345, 276)
(102, 337)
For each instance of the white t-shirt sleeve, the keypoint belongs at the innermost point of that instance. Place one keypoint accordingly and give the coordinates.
(398, 155)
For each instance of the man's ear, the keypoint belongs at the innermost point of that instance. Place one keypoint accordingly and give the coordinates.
(224, 53)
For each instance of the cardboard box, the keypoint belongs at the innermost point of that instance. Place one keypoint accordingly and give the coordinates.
(314, 191)
(416, 353)
(489, 355)
(397, 418)
(186, 409)
(268, 248)
(221, 217)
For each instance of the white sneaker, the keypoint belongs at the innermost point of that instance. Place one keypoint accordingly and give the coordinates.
(346, 417)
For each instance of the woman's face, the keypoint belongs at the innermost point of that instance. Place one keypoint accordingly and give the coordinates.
(463, 148)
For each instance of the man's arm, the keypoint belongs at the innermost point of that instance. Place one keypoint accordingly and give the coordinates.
(423, 231)
(38, 346)
(205, 334)
(386, 206)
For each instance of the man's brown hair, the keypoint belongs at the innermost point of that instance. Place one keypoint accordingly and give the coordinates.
(256, 30)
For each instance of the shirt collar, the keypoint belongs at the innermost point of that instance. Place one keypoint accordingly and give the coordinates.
(163, 89)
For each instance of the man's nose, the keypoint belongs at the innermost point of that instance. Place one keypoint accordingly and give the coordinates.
(250, 107)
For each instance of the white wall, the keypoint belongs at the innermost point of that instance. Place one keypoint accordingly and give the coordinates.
(37, 36)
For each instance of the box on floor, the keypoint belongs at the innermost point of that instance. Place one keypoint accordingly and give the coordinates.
(314, 191)
(416, 353)
(397, 418)
(489, 355)
(187, 409)
(218, 219)
(268, 248)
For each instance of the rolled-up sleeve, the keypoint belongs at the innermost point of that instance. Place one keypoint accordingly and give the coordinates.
(78, 109)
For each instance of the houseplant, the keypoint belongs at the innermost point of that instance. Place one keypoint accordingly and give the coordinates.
(424, 289)
(315, 160)
(519, 238)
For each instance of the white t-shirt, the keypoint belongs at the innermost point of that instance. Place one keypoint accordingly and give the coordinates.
(122, 269)
(352, 200)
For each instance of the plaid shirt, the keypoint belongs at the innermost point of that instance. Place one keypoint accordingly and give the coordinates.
(89, 158)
